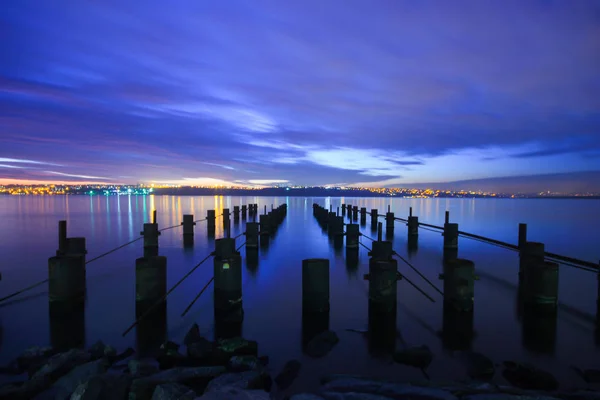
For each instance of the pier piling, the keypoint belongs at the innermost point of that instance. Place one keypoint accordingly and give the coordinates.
(252, 233)
(150, 234)
(374, 214)
(315, 285)
(383, 290)
(236, 213)
(413, 230)
(522, 235)
(244, 210)
(363, 215)
(150, 279)
(228, 281)
(66, 275)
(188, 228)
(459, 288)
(210, 221)
(225, 216)
(450, 239)
(352, 236)
(343, 210)
(389, 223)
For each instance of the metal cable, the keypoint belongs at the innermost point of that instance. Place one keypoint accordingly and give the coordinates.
(363, 235)
(241, 245)
(170, 227)
(418, 273)
(201, 220)
(416, 287)
(197, 296)
(112, 251)
(364, 246)
(137, 321)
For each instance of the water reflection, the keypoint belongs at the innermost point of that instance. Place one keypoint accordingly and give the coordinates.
(252, 260)
(382, 331)
(457, 328)
(313, 323)
(151, 330)
(352, 261)
(67, 324)
(539, 330)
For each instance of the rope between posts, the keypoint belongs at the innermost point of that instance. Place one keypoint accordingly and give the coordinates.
(18, 292)
(241, 234)
(188, 308)
(137, 321)
(371, 239)
(170, 227)
(241, 245)
(416, 287)
(486, 242)
(418, 273)
(201, 220)
(364, 246)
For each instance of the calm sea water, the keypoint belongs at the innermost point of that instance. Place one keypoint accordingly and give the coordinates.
(272, 291)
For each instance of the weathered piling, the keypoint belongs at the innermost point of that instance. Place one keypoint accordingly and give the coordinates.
(252, 233)
(188, 228)
(315, 285)
(459, 288)
(228, 281)
(226, 215)
(382, 331)
(335, 225)
(522, 235)
(355, 213)
(374, 215)
(252, 258)
(383, 290)
(540, 286)
(265, 229)
(413, 230)
(313, 323)
(457, 328)
(150, 279)
(66, 275)
(363, 215)
(531, 253)
(236, 213)
(244, 210)
(389, 223)
(62, 237)
(343, 210)
(151, 331)
(211, 221)
(352, 236)
(150, 234)
(450, 235)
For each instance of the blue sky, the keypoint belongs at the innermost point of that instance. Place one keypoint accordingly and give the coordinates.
(310, 92)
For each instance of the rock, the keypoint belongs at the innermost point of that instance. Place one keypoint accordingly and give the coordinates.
(238, 346)
(169, 346)
(288, 374)
(142, 367)
(232, 393)
(193, 335)
(245, 363)
(588, 375)
(321, 345)
(504, 396)
(418, 357)
(34, 356)
(240, 380)
(50, 394)
(173, 391)
(97, 350)
(58, 365)
(478, 366)
(386, 389)
(106, 386)
(200, 349)
(78, 375)
(142, 388)
(528, 377)
(306, 396)
(352, 396)
(110, 351)
(119, 357)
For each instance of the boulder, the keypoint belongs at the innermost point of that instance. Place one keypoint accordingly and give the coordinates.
(67, 384)
(232, 393)
(245, 363)
(142, 388)
(173, 391)
(110, 385)
(321, 344)
(142, 367)
(240, 380)
(382, 388)
(288, 374)
(193, 335)
(528, 377)
(478, 366)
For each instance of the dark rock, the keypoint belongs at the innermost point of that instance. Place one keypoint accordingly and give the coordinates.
(118, 357)
(386, 389)
(110, 385)
(352, 396)
(418, 357)
(588, 375)
(238, 346)
(60, 364)
(240, 380)
(169, 346)
(200, 349)
(78, 375)
(142, 388)
(528, 377)
(321, 345)
(193, 335)
(504, 396)
(34, 356)
(173, 391)
(264, 360)
(142, 367)
(288, 374)
(50, 394)
(305, 396)
(97, 350)
(478, 366)
(232, 393)
(244, 363)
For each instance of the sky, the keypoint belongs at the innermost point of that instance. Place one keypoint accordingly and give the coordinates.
(310, 92)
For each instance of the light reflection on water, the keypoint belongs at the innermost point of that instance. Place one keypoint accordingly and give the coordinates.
(272, 292)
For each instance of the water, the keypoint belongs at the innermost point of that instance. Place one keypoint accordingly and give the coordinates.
(272, 301)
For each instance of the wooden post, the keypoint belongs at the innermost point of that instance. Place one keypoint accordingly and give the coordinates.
(150, 234)
(315, 285)
(459, 277)
(228, 281)
(522, 235)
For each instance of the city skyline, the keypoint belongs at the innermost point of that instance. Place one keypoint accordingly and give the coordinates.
(380, 94)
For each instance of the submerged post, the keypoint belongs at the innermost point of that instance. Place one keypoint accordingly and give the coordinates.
(228, 281)
(236, 213)
(150, 234)
(450, 239)
(315, 285)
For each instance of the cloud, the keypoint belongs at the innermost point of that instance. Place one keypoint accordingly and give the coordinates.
(76, 175)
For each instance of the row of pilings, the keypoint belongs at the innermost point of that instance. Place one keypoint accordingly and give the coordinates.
(67, 274)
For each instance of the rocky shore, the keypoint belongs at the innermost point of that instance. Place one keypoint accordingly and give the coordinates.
(232, 369)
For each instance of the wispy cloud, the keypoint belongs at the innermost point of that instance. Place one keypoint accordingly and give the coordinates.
(77, 176)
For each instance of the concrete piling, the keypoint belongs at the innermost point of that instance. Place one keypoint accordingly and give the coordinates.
(383, 290)
(538, 331)
(352, 236)
(252, 233)
(154, 216)
(244, 210)
(315, 285)
(389, 223)
(355, 213)
(228, 281)
(531, 253)
(265, 229)
(66, 274)
(522, 235)
(225, 216)
(211, 221)
(382, 331)
(540, 284)
(67, 325)
(363, 216)
(413, 230)
(457, 328)
(236, 213)
(374, 219)
(62, 237)
(335, 225)
(459, 288)
(252, 258)
(150, 234)
(450, 235)
(343, 210)
(188, 228)
(151, 331)
(150, 279)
